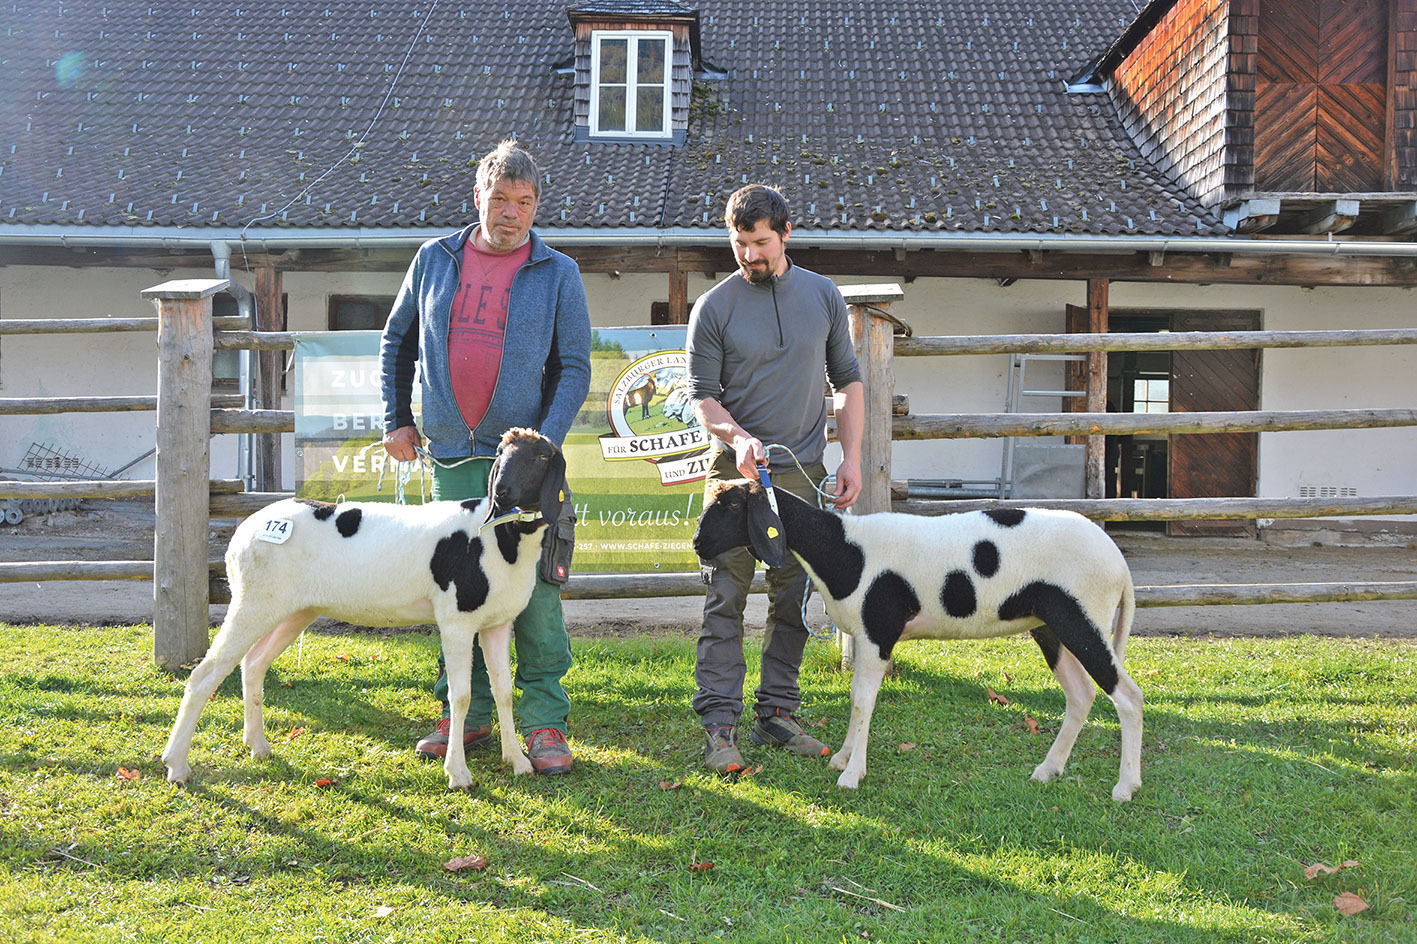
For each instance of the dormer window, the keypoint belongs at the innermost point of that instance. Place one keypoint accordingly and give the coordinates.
(634, 65)
(630, 83)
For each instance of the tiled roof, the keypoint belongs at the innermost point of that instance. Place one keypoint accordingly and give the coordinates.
(330, 115)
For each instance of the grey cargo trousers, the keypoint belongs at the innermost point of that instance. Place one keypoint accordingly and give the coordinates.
(720, 668)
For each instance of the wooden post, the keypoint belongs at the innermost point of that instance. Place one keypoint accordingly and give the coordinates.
(1095, 457)
(270, 316)
(182, 490)
(875, 349)
(678, 296)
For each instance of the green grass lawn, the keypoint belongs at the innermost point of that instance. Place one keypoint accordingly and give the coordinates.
(1261, 758)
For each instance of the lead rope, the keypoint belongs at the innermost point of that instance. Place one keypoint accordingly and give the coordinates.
(823, 501)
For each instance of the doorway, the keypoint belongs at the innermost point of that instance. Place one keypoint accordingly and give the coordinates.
(1215, 465)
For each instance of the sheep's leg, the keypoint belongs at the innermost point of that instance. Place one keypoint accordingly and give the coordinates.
(1080, 692)
(238, 631)
(1127, 699)
(457, 659)
(865, 684)
(495, 643)
(253, 678)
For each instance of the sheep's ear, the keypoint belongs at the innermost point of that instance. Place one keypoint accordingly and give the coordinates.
(765, 535)
(553, 487)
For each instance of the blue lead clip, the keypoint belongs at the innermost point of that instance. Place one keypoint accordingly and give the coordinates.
(766, 481)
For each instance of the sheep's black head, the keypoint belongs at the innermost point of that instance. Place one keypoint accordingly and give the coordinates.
(529, 474)
(737, 514)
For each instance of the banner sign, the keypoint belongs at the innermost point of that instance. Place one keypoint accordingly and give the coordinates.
(635, 456)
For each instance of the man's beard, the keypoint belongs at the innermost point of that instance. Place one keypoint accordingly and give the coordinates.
(757, 273)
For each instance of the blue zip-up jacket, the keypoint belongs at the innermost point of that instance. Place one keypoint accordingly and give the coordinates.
(544, 375)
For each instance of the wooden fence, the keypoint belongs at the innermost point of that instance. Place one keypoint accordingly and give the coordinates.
(185, 582)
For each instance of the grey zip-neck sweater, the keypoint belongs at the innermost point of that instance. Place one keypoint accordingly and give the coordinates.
(759, 349)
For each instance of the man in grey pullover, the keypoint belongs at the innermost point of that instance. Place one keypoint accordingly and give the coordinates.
(758, 343)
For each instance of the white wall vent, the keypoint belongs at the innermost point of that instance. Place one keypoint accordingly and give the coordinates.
(1327, 491)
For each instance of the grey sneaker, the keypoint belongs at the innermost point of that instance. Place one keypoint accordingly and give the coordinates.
(721, 752)
(781, 729)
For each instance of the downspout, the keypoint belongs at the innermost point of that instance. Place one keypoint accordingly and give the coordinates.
(246, 306)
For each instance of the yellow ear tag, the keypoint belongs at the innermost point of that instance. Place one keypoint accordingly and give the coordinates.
(561, 495)
(772, 532)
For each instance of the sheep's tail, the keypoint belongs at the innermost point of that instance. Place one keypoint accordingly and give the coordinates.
(1126, 612)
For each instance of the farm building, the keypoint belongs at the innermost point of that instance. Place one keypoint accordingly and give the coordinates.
(1048, 168)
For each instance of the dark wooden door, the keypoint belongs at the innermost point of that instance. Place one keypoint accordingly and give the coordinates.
(1216, 465)
(1321, 96)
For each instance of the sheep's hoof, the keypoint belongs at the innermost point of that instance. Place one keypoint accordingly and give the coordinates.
(1123, 792)
(839, 760)
(460, 780)
(1044, 772)
(178, 774)
(848, 780)
(260, 750)
(521, 765)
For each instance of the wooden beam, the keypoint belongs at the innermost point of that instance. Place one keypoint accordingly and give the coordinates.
(1401, 219)
(270, 365)
(1094, 462)
(181, 495)
(994, 425)
(1252, 216)
(678, 297)
(1330, 216)
(1148, 341)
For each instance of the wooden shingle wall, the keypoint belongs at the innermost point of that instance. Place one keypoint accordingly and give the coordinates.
(1171, 93)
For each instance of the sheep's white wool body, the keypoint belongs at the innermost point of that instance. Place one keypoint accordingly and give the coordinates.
(1049, 546)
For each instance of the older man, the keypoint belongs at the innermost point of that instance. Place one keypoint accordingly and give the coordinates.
(498, 324)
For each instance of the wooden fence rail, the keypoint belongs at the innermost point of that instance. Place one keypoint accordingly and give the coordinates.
(185, 583)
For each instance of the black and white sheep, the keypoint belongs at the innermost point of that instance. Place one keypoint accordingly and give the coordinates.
(890, 577)
(377, 564)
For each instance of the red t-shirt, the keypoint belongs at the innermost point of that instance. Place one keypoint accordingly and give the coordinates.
(478, 325)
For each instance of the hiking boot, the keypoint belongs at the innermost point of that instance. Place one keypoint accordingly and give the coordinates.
(548, 752)
(721, 753)
(435, 745)
(781, 729)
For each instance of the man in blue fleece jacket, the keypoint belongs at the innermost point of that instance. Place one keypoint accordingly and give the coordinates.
(497, 323)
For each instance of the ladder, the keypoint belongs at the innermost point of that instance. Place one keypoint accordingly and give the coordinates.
(1017, 390)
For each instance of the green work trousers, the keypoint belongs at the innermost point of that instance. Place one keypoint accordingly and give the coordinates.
(542, 648)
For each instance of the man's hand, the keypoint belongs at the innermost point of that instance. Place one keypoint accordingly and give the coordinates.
(848, 485)
(748, 455)
(402, 444)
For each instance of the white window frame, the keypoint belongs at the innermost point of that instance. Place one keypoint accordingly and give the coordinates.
(634, 37)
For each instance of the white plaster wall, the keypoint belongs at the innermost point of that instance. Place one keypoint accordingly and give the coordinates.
(1374, 462)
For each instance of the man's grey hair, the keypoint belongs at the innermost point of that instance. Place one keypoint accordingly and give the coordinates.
(507, 161)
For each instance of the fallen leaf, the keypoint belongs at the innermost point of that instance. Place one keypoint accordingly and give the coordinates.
(700, 866)
(907, 746)
(751, 771)
(342, 657)
(474, 862)
(1349, 903)
(819, 723)
(326, 782)
(294, 733)
(670, 785)
(1032, 724)
(1323, 867)
(1008, 677)
(383, 911)
(995, 696)
(125, 773)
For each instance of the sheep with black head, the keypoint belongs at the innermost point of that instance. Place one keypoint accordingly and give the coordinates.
(458, 564)
(890, 577)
